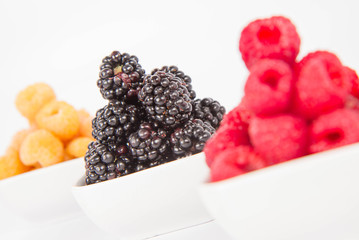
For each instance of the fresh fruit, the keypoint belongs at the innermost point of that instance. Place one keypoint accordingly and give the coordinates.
(85, 123)
(42, 147)
(120, 77)
(30, 100)
(11, 165)
(114, 122)
(149, 145)
(175, 71)
(279, 138)
(227, 136)
(60, 118)
(268, 89)
(190, 138)
(102, 164)
(335, 129)
(322, 85)
(353, 80)
(209, 111)
(166, 99)
(274, 37)
(78, 146)
(235, 161)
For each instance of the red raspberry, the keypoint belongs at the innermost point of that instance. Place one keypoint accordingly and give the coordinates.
(279, 138)
(274, 37)
(353, 80)
(269, 87)
(322, 85)
(352, 103)
(335, 129)
(235, 161)
(238, 115)
(227, 136)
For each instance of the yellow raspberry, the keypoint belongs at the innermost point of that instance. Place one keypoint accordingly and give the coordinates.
(43, 147)
(30, 100)
(60, 118)
(68, 157)
(78, 146)
(19, 137)
(85, 123)
(10, 164)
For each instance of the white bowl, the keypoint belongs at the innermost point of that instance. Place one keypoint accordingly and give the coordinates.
(147, 203)
(43, 194)
(313, 197)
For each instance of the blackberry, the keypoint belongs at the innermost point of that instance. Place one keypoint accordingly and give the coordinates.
(102, 164)
(120, 77)
(148, 145)
(174, 70)
(209, 111)
(166, 99)
(190, 138)
(114, 122)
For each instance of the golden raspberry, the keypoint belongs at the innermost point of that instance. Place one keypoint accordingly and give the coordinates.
(78, 146)
(60, 118)
(68, 156)
(43, 147)
(19, 137)
(10, 164)
(30, 100)
(85, 123)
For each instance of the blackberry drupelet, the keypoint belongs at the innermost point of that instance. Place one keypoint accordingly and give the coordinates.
(149, 145)
(120, 77)
(114, 122)
(174, 70)
(102, 164)
(190, 138)
(209, 111)
(166, 99)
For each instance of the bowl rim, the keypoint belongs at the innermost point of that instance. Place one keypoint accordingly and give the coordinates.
(40, 171)
(148, 171)
(279, 166)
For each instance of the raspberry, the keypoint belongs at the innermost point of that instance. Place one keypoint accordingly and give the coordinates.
(30, 100)
(353, 80)
(226, 137)
(11, 165)
(19, 137)
(43, 147)
(279, 138)
(85, 123)
(322, 85)
(235, 161)
(78, 146)
(238, 115)
(274, 37)
(335, 129)
(60, 118)
(352, 103)
(269, 87)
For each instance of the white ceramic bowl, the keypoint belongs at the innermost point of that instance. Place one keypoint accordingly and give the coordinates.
(147, 203)
(313, 197)
(43, 194)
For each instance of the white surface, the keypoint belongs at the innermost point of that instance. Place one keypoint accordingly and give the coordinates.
(44, 194)
(313, 197)
(148, 203)
(63, 42)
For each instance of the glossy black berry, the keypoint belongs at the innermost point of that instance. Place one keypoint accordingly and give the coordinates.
(149, 145)
(114, 122)
(190, 138)
(175, 71)
(103, 164)
(209, 111)
(120, 77)
(166, 99)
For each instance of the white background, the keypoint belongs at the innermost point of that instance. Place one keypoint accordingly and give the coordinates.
(62, 43)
